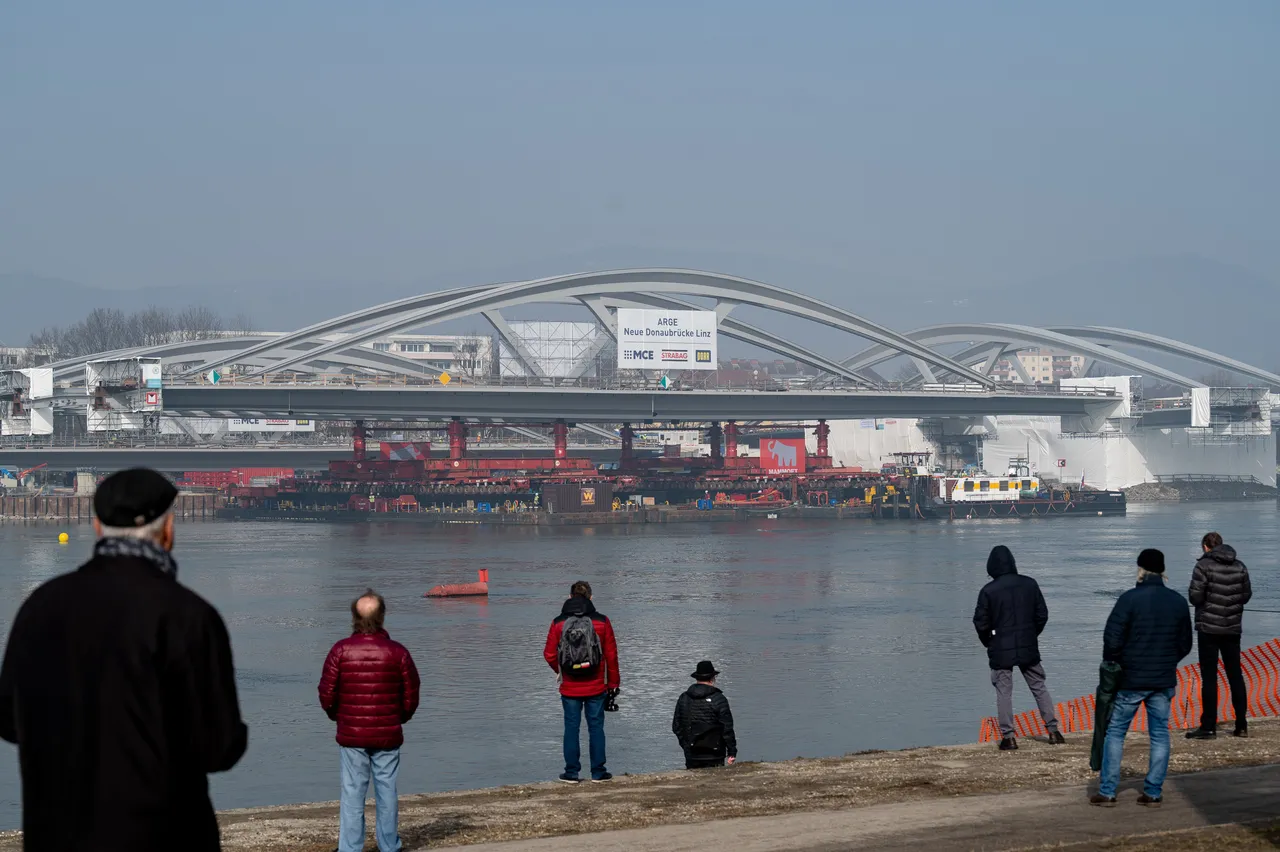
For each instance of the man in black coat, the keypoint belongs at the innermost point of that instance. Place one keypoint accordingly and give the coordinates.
(1148, 634)
(703, 723)
(118, 689)
(1010, 616)
(1219, 590)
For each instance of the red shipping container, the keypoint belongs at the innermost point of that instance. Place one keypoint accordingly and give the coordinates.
(782, 455)
(358, 503)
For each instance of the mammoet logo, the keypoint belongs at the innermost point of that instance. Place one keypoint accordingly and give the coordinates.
(784, 454)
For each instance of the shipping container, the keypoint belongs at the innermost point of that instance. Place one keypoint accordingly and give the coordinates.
(571, 497)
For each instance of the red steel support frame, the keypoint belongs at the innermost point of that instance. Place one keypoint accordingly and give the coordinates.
(730, 440)
(457, 440)
(628, 458)
(560, 432)
(358, 435)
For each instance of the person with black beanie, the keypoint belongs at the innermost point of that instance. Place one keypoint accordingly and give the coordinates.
(1148, 634)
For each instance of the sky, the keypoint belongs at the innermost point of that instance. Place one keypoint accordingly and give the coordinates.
(191, 145)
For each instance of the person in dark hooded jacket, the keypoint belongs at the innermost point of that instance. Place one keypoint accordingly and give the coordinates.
(1219, 590)
(703, 722)
(1010, 616)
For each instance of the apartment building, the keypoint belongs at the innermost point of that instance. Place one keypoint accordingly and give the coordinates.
(1042, 366)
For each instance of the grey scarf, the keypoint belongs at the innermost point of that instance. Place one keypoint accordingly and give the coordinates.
(137, 549)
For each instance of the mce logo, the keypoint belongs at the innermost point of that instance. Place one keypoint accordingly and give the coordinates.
(637, 355)
(702, 356)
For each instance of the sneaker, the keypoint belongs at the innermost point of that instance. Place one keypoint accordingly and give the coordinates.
(566, 778)
(1008, 744)
(1149, 802)
(603, 778)
(1242, 732)
(1202, 734)
(1101, 801)
(1056, 738)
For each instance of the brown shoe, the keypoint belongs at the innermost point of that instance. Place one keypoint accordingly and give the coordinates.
(1102, 801)
(1148, 802)
(1056, 738)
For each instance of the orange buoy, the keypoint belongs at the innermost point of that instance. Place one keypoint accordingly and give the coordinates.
(462, 590)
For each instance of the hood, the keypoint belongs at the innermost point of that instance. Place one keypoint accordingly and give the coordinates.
(1224, 553)
(578, 606)
(701, 691)
(1000, 562)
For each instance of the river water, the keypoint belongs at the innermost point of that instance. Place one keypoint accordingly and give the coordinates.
(833, 637)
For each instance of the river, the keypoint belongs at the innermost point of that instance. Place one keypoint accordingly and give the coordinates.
(833, 637)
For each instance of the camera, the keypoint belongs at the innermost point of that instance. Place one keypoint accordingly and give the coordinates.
(611, 701)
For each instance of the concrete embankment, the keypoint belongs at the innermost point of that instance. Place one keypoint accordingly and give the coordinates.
(963, 797)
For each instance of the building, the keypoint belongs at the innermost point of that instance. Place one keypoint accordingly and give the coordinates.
(1042, 367)
(461, 355)
(11, 356)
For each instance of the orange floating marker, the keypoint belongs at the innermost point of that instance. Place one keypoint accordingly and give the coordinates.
(462, 590)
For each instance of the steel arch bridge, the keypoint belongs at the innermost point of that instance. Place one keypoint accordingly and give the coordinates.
(337, 344)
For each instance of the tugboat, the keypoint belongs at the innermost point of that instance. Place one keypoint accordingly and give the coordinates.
(920, 493)
(1019, 494)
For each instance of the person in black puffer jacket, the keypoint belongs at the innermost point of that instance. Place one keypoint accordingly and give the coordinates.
(703, 723)
(1010, 616)
(1219, 590)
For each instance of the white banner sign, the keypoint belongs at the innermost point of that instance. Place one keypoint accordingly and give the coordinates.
(666, 340)
(271, 425)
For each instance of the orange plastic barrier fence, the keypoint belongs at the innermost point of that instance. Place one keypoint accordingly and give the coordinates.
(1261, 666)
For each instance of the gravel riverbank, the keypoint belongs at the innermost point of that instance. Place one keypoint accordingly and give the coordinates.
(747, 790)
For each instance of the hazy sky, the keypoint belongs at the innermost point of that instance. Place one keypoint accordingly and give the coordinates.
(184, 143)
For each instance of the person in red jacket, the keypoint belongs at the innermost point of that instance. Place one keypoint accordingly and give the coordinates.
(370, 688)
(581, 649)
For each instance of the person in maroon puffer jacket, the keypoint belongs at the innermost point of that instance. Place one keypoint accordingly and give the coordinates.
(370, 688)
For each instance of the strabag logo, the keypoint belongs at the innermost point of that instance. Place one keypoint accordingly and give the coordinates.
(637, 355)
(702, 356)
(675, 355)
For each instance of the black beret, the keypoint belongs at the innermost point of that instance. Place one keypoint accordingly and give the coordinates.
(133, 498)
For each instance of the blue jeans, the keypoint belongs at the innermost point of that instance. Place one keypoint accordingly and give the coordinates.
(1158, 704)
(573, 710)
(357, 766)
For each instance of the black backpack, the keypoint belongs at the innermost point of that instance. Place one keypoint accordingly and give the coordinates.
(579, 651)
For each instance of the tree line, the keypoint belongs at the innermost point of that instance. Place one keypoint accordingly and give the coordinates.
(107, 329)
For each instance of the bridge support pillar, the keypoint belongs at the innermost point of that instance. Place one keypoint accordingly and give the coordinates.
(730, 440)
(627, 461)
(560, 433)
(358, 434)
(457, 439)
(714, 437)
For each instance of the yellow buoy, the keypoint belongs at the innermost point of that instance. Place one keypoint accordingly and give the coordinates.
(63, 538)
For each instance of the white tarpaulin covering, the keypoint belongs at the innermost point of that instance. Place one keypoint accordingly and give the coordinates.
(1121, 459)
(1109, 460)
(1199, 407)
(869, 443)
